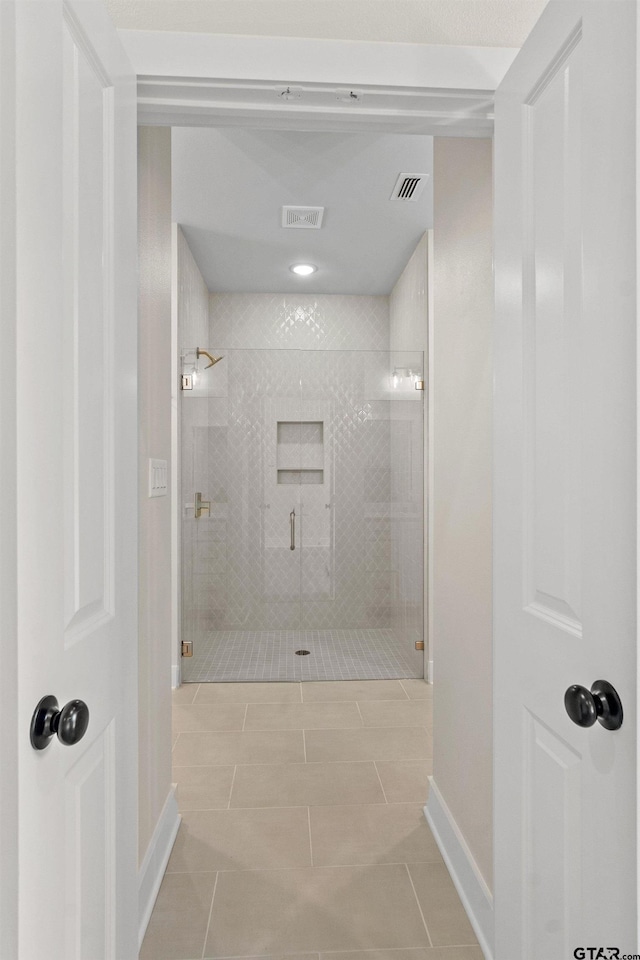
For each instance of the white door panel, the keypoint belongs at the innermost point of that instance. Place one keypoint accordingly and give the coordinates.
(76, 247)
(565, 483)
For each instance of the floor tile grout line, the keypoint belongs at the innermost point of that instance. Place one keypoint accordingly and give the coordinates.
(406, 866)
(233, 780)
(310, 838)
(279, 763)
(206, 936)
(318, 866)
(323, 953)
(284, 703)
(244, 721)
(300, 806)
(287, 763)
(360, 713)
(304, 744)
(380, 781)
(321, 729)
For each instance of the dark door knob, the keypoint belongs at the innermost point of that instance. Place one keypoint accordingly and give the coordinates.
(601, 703)
(69, 724)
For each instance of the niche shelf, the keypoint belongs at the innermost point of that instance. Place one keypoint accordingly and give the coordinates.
(300, 476)
(300, 451)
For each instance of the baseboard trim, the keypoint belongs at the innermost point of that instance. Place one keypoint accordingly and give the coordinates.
(155, 860)
(469, 882)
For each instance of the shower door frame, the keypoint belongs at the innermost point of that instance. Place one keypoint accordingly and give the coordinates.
(315, 508)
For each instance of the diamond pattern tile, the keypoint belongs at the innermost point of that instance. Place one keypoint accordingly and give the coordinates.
(301, 322)
(357, 565)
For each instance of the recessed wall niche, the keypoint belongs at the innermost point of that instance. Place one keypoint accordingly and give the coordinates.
(300, 451)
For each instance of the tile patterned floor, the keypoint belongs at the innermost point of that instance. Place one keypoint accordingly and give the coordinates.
(303, 836)
(230, 656)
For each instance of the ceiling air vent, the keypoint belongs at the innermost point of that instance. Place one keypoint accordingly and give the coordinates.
(305, 218)
(409, 186)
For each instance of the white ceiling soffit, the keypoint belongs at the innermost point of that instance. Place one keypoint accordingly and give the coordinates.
(216, 80)
(229, 186)
(493, 23)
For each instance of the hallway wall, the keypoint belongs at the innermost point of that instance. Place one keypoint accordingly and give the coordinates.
(462, 544)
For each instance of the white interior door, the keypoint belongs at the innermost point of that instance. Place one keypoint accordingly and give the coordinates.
(76, 459)
(565, 483)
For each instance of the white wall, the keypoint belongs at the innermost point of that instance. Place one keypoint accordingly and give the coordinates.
(461, 576)
(154, 378)
(499, 23)
(192, 297)
(408, 304)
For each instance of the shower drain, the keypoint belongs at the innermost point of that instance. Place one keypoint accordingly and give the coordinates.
(302, 653)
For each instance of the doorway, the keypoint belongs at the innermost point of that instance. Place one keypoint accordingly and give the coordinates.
(301, 413)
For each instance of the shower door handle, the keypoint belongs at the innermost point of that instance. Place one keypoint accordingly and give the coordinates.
(201, 505)
(292, 526)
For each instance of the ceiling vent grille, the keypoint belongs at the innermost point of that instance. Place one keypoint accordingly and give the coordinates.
(302, 218)
(409, 186)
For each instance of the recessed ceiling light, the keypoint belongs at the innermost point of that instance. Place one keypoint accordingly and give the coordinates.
(303, 269)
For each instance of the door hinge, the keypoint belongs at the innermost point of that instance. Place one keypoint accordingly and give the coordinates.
(419, 384)
(419, 644)
(187, 648)
(186, 381)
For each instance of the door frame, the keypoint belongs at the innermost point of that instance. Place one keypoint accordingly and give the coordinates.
(9, 801)
(175, 88)
(329, 85)
(425, 89)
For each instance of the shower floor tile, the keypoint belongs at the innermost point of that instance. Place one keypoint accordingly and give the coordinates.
(223, 656)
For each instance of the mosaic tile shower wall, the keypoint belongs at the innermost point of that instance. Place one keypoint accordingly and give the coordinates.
(303, 322)
(268, 433)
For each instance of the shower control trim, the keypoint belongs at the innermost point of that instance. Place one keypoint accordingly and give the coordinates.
(201, 505)
(292, 527)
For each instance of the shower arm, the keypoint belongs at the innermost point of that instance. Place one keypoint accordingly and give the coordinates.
(205, 353)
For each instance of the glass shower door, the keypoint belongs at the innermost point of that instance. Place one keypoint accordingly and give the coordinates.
(362, 519)
(302, 523)
(240, 454)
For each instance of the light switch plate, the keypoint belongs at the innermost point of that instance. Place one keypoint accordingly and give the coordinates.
(157, 478)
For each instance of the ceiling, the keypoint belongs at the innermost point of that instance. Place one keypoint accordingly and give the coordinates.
(499, 23)
(229, 185)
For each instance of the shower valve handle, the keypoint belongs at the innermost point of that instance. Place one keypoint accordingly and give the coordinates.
(201, 505)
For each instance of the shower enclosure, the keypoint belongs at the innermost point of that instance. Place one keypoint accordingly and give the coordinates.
(302, 514)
